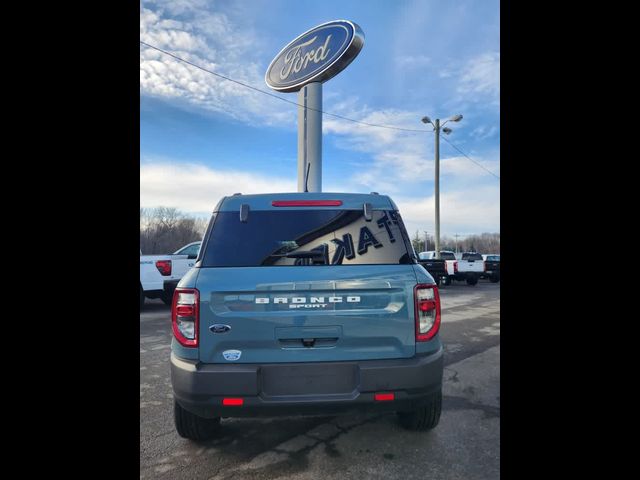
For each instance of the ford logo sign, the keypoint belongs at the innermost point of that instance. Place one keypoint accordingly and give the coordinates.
(315, 56)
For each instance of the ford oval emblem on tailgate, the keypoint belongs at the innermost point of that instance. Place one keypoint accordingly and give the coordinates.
(219, 328)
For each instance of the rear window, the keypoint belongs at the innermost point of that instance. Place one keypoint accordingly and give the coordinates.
(307, 237)
(471, 256)
(447, 256)
(493, 258)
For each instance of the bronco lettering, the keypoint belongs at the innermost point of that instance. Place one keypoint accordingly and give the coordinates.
(300, 301)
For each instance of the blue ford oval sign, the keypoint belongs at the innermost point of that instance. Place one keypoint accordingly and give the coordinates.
(315, 56)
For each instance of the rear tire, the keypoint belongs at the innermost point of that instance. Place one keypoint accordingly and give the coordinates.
(445, 281)
(494, 278)
(193, 427)
(424, 418)
(167, 298)
(472, 280)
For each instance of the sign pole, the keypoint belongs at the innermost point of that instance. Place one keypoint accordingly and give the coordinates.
(302, 66)
(310, 138)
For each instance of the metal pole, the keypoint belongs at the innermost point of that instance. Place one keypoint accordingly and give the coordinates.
(310, 137)
(437, 186)
(426, 241)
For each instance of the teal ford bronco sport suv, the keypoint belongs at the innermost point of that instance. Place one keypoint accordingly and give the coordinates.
(305, 303)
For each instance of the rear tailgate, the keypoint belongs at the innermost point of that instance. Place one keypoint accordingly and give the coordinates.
(467, 266)
(293, 314)
(434, 266)
(492, 265)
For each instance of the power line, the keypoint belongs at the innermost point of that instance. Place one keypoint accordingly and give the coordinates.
(309, 108)
(276, 96)
(480, 165)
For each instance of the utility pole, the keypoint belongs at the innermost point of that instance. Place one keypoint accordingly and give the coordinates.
(436, 186)
(426, 241)
(456, 235)
(436, 129)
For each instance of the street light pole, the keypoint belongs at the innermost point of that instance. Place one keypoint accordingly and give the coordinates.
(437, 186)
(436, 129)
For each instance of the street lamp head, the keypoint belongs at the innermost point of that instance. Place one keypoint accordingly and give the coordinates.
(426, 120)
(456, 118)
(446, 130)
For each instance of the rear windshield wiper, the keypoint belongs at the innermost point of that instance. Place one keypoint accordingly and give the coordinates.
(315, 255)
(305, 254)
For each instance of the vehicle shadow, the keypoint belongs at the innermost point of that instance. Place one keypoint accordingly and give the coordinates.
(155, 306)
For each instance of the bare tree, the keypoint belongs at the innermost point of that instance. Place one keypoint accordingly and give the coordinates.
(165, 229)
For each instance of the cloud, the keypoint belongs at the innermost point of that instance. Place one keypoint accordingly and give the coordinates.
(412, 61)
(484, 131)
(473, 210)
(399, 159)
(196, 188)
(204, 38)
(480, 78)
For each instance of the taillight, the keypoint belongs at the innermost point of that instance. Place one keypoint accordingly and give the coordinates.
(384, 397)
(455, 267)
(427, 312)
(185, 316)
(164, 267)
(484, 266)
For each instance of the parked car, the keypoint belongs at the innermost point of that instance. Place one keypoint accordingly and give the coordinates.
(469, 268)
(305, 303)
(491, 267)
(159, 274)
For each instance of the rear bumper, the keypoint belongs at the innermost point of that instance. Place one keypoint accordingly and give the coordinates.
(465, 275)
(200, 388)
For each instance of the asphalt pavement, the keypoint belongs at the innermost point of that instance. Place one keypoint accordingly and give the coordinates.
(465, 445)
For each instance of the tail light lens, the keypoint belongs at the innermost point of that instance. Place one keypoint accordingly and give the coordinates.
(427, 312)
(185, 316)
(455, 267)
(164, 267)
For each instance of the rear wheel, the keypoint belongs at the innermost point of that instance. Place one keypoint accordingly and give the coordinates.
(472, 280)
(193, 427)
(167, 298)
(423, 418)
(445, 281)
(494, 278)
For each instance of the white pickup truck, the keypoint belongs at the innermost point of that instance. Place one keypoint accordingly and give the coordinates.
(469, 268)
(159, 274)
(449, 266)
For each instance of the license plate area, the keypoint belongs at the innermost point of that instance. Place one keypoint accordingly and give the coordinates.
(308, 380)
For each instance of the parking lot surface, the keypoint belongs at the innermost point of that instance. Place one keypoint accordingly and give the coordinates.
(465, 445)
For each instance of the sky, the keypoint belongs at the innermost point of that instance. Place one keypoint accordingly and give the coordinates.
(203, 137)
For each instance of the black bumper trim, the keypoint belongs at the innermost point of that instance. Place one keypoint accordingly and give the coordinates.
(200, 388)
